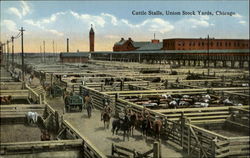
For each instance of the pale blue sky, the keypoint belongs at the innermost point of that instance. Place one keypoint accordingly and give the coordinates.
(58, 20)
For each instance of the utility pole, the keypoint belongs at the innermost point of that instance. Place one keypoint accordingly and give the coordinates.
(44, 51)
(41, 53)
(12, 41)
(67, 45)
(8, 52)
(53, 44)
(22, 55)
(208, 55)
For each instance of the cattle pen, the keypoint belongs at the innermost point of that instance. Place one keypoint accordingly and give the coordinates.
(219, 128)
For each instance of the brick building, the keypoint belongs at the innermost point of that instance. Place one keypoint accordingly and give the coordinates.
(181, 44)
(202, 44)
(130, 45)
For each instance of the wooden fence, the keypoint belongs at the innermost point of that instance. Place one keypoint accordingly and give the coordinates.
(59, 124)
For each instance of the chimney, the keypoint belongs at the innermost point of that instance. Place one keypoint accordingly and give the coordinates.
(129, 39)
(67, 45)
(155, 41)
(122, 39)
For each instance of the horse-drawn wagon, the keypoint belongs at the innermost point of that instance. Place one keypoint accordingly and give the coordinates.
(73, 102)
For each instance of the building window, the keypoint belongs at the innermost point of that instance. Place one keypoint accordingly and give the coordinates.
(238, 44)
(199, 44)
(190, 44)
(193, 43)
(229, 44)
(226, 44)
(202, 43)
(183, 44)
(179, 44)
(220, 43)
(211, 44)
(217, 43)
(235, 44)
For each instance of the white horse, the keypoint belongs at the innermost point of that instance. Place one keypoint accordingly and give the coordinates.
(32, 117)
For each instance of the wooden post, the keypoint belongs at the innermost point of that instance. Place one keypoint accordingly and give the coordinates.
(102, 87)
(156, 153)
(57, 121)
(40, 99)
(182, 128)
(213, 148)
(160, 148)
(189, 141)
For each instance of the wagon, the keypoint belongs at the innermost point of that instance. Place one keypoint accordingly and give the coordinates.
(74, 102)
(56, 91)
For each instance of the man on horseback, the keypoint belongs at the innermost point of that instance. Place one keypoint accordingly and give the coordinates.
(88, 104)
(145, 113)
(106, 109)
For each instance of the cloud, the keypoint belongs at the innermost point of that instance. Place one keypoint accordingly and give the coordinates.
(112, 17)
(195, 22)
(242, 22)
(237, 15)
(25, 8)
(9, 25)
(23, 11)
(15, 11)
(40, 26)
(90, 19)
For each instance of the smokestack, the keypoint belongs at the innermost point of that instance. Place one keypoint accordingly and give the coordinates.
(67, 45)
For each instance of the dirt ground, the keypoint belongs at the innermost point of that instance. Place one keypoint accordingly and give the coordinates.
(19, 133)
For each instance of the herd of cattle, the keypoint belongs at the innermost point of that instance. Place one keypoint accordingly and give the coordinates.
(183, 101)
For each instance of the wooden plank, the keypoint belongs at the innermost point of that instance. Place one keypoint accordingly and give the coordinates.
(22, 106)
(210, 121)
(195, 109)
(238, 124)
(199, 113)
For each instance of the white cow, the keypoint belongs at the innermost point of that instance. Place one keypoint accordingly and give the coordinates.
(200, 105)
(32, 117)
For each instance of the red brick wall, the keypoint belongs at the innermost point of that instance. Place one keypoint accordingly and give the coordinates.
(127, 46)
(201, 44)
(91, 42)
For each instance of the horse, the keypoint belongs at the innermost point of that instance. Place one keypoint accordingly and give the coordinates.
(157, 125)
(146, 126)
(89, 108)
(5, 99)
(133, 122)
(89, 105)
(124, 125)
(106, 119)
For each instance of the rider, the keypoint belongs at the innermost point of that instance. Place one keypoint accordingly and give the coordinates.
(106, 109)
(145, 113)
(88, 101)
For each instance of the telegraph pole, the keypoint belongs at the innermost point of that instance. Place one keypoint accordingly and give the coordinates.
(8, 52)
(44, 51)
(41, 53)
(12, 41)
(22, 55)
(67, 45)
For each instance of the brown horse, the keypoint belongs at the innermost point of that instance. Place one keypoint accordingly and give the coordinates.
(106, 119)
(157, 126)
(5, 99)
(133, 122)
